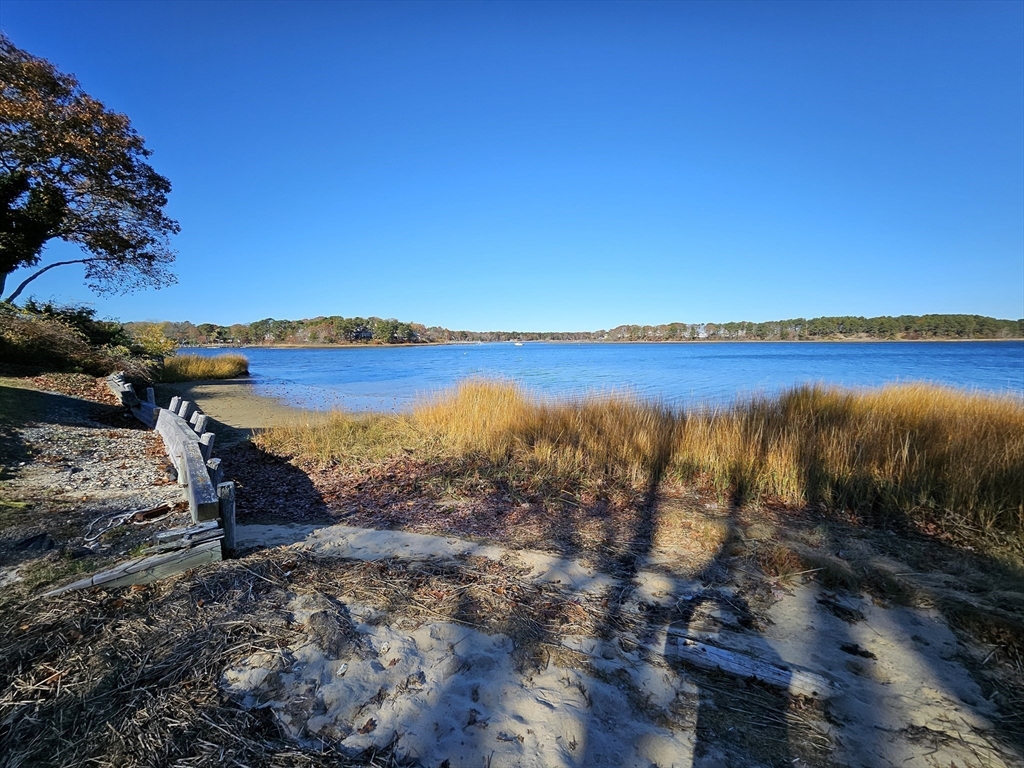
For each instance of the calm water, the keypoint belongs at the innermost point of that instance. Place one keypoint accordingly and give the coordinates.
(382, 378)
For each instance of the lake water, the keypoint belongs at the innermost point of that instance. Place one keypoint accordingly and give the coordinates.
(390, 378)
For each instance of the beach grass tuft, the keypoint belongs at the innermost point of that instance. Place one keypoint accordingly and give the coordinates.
(937, 458)
(911, 450)
(199, 367)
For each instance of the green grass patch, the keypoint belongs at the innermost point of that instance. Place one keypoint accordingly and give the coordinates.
(47, 571)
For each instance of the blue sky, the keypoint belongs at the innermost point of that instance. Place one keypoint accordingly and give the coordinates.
(563, 166)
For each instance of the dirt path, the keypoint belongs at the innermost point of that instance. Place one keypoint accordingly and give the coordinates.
(68, 468)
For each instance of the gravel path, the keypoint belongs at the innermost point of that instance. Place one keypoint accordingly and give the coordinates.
(66, 477)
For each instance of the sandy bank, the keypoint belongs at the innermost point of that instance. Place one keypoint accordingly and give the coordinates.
(232, 402)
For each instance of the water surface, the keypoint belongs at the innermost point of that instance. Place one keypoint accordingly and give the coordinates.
(688, 374)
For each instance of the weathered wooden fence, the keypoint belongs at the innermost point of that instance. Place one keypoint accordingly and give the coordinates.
(183, 428)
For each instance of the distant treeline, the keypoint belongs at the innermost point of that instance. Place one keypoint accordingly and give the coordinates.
(374, 330)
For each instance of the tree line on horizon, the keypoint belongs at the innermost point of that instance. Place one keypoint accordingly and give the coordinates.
(375, 330)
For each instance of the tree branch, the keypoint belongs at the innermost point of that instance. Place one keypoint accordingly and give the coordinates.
(10, 299)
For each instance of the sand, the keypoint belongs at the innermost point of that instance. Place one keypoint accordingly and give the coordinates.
(231, 402)
(439, 691)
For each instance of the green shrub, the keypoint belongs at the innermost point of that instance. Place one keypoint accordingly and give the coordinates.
(51, 338)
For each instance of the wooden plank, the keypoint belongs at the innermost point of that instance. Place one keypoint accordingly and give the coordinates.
(173, 430)
(182, 445)
(202, 496)
(180, 533)
(796, 682)
(215, 535)
(148, 569)
(150, 513)
(181, 468)
(170, 563)
(146, 413)
(123, 390)
(226, 494)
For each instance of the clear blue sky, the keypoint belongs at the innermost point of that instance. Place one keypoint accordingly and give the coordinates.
(564, 166)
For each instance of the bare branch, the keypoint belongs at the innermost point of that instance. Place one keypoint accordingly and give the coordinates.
(10, 299)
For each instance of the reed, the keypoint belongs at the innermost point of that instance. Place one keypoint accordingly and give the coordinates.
(934, 455)
(337, 437)
(198, 367)
(917, 450)
(605, 441)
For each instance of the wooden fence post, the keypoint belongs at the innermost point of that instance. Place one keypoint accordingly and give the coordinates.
(201, 421)
(175, 404)
(150, 395)
(215, 471)
(226, 494)
(206, 445)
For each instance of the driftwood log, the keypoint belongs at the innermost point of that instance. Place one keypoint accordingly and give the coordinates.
(677, 645)
(797, 682)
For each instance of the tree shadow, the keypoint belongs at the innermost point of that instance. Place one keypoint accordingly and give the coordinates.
(717, 702)
(734, 719)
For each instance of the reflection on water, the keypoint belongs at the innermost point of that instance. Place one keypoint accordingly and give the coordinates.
(390, 378)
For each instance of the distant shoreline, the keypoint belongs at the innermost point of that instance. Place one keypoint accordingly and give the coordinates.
(589, 342)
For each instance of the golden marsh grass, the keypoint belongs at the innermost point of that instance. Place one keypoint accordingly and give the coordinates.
(939, 456)
(199, 367)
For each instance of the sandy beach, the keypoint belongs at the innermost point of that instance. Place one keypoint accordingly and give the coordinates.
(232, 402)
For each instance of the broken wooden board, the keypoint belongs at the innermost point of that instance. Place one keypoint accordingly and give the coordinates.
(124, 390)
(151, 513)
(179, 538)
(148, 569)
(186, 534)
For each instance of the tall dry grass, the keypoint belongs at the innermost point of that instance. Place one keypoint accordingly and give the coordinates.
(608, 441)
(915, 449)
(338, 437)
(928, 453)
(198, 367)
(496, 430)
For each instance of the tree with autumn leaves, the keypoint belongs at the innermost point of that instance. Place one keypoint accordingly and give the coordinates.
(74, 170)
